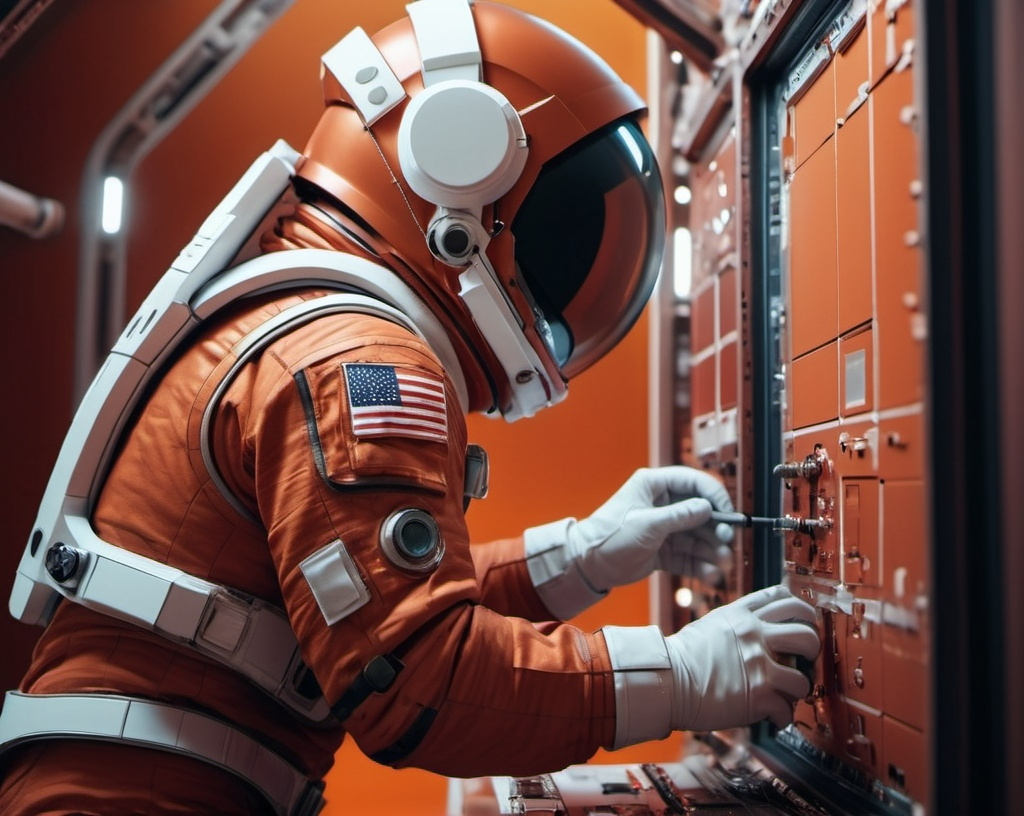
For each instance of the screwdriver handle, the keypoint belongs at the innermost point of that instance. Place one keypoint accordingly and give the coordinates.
(736, 519)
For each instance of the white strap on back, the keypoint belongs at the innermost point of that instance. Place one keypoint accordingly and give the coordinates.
(446, 36)
(245, 634)
(165, 316)
(133, 721)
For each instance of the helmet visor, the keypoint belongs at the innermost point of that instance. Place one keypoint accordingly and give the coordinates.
(589, 238)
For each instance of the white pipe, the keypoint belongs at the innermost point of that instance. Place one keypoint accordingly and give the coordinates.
(33, 215)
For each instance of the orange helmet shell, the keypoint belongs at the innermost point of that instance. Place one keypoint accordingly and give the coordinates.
(563, 93)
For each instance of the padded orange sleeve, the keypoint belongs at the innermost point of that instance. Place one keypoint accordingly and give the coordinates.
(503, 695)
(505, 581)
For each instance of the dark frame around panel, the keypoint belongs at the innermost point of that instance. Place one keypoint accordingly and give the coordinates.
(968, 681)
(765, 83)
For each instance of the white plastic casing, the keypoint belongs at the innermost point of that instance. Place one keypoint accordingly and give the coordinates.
(446, 39)
(461, 144)
(365, 75)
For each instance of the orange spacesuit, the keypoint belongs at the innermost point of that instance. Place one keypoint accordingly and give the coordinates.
(525, 697)
(324, 468)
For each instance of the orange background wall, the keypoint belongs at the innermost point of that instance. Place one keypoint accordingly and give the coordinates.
(62, 83)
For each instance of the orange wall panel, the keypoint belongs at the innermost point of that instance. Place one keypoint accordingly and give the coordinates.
(905, 644)
(898, 256)
(904, 664)
(723, 198)
(813, 287)
(856, 374)
(901, 444)
(860, 551)
(862, 738)
(852, 67)
(853, 447)
(702, 206)
(814, 116)
(727, 301)
(702, 317)
(890, 33)
(703, 398)
(905, 567)
(728, 376)
(905, 759)
(861, 659)
(814, 395)
(853, 177)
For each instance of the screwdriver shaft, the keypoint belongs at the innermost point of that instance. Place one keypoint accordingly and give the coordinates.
(783, 523)
(741, 519)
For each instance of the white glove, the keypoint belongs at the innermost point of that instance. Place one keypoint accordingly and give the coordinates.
(723, 670)
(659, 519)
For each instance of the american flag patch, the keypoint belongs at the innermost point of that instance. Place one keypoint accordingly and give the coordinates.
(389, 401)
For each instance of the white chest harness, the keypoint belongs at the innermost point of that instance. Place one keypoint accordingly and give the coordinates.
(65, 559)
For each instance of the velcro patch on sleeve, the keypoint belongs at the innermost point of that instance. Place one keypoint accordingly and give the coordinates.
(335, 582)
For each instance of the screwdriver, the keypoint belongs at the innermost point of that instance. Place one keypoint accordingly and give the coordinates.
(783, 523)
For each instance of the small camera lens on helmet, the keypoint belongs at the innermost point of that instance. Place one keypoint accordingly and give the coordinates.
(456, 241)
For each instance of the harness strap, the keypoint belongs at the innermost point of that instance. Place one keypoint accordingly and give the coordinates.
(409, 741)
(376, 677)
(243, 633)
(147, 724)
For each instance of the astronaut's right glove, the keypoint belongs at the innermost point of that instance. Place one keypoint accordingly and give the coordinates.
(724, 670)
(659, 519)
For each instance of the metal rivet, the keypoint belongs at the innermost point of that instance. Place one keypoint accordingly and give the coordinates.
(378, 95)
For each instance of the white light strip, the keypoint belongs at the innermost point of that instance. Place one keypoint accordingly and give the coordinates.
(113, 202)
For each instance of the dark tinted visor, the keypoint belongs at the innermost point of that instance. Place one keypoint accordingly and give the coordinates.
(589, 238)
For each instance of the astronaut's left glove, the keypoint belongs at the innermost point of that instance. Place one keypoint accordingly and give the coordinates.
(659, 519)
(735, 666)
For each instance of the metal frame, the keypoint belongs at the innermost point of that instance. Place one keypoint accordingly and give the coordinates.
(765, 87)
(159, 105)
(972, 262)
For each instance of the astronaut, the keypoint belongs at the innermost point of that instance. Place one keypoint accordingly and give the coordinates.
(493, 217)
